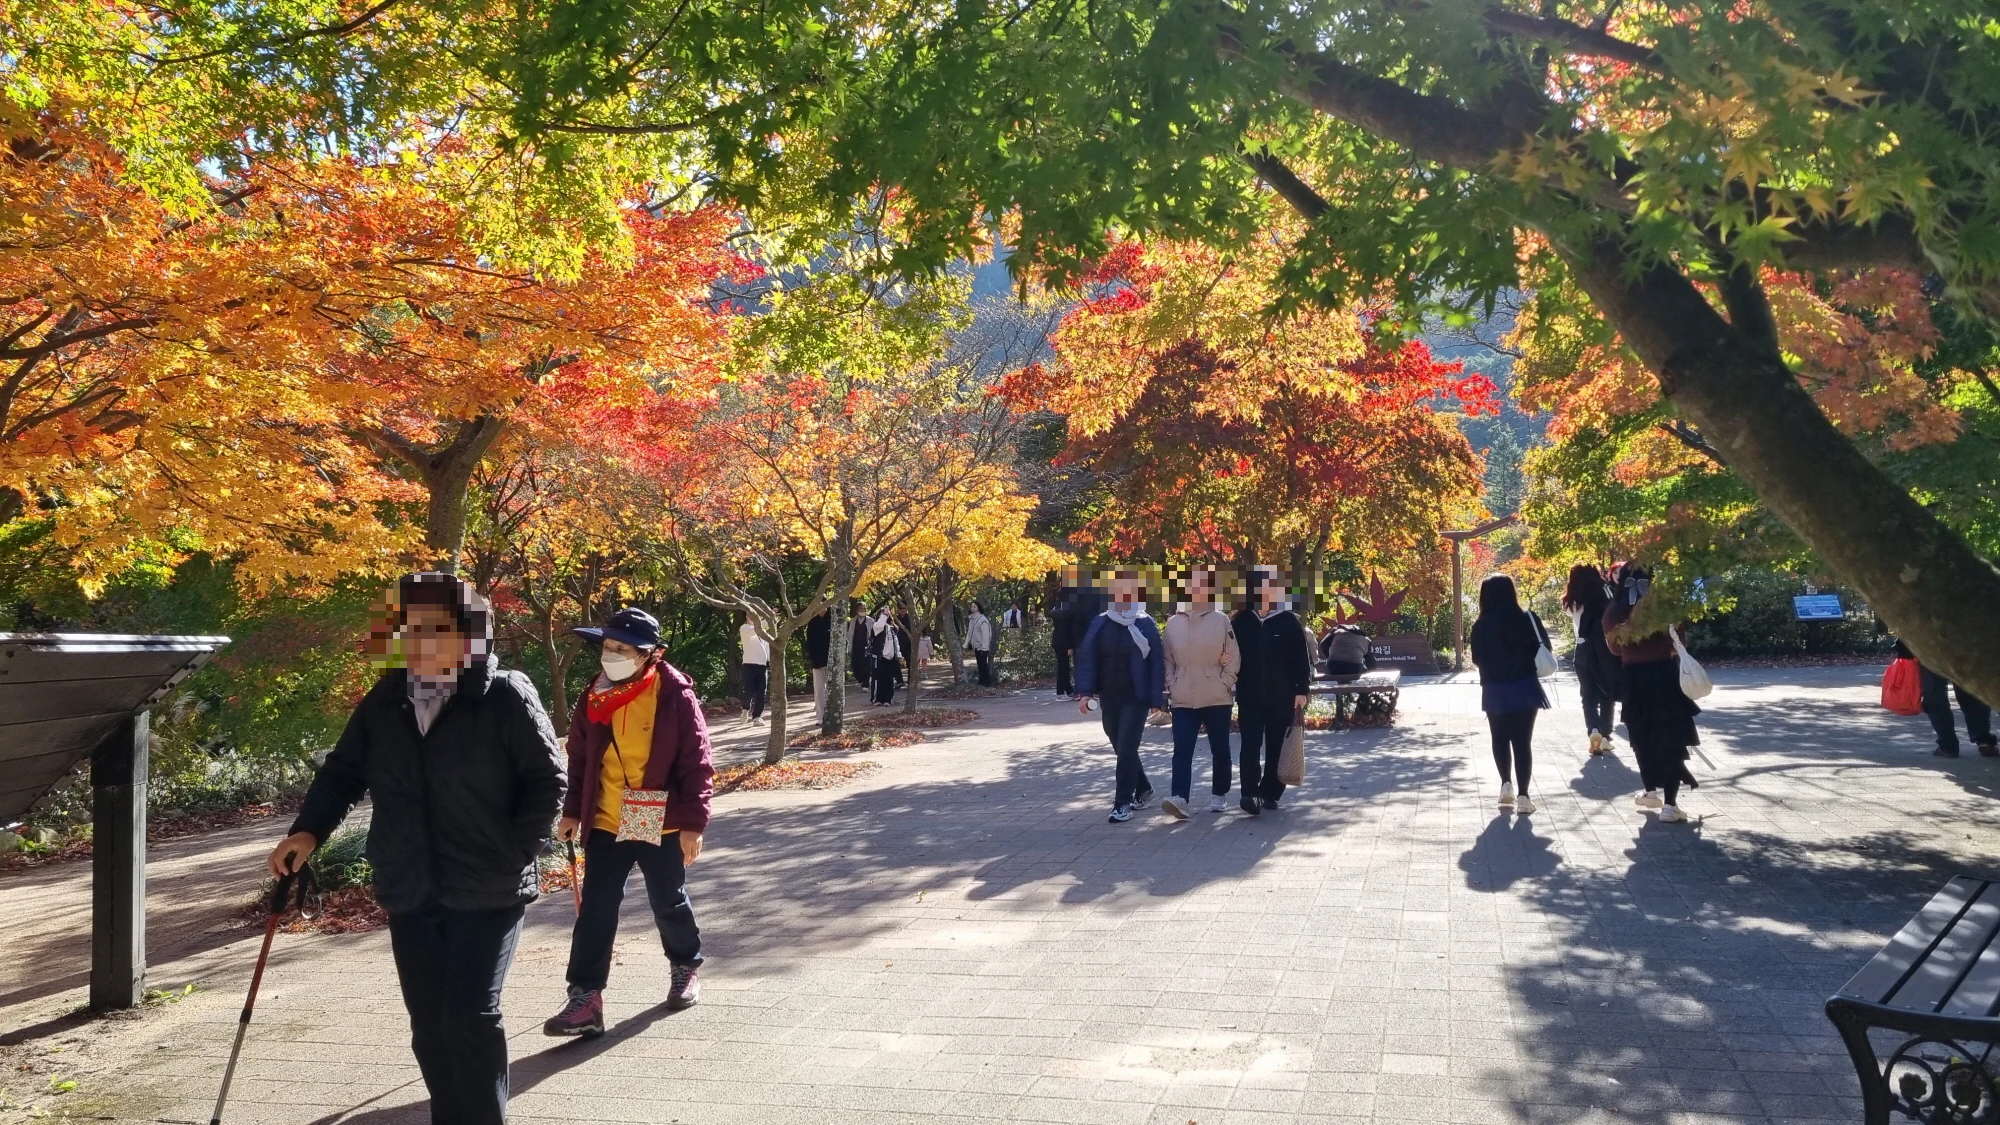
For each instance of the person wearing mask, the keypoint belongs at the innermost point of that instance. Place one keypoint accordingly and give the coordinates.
(1937, 692)
(1062, 638)
(461, 764)
(1659, 718)
(1202, 664)
(640, 734)
(860, 646)
(887, 650)
(1585, 598)
(1121, 665)
(819, 648)
(979, 638)
(756, 670)
(1273, 687)
(1011, 618)
(1505, 641)
(1345, 651)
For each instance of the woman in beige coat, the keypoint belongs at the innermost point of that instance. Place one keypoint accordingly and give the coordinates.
(1202, 662)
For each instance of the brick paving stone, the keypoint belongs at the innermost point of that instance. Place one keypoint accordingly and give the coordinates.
(959, 936)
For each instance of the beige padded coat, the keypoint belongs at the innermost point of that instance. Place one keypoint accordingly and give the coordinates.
(1202, 659)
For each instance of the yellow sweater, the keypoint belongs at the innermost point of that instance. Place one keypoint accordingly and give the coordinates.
(624, 765)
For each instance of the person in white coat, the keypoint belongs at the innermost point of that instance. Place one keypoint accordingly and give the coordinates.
(979, 638)
(756, 671)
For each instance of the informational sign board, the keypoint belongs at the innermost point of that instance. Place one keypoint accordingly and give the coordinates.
(1410, 653)
(1817, 607)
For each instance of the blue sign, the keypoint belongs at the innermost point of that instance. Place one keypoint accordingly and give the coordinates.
(1817, 607)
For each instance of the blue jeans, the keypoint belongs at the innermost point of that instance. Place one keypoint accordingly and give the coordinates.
(1188, 722)
(452, 964)
(1125, 725)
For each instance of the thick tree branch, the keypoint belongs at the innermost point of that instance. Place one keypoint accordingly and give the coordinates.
(1689, 436)
(1892, 243)
(1433, 128)
(1749, 307)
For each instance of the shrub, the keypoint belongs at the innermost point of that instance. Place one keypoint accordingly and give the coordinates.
(342, 861)
(1761, 621)
(1027, 653)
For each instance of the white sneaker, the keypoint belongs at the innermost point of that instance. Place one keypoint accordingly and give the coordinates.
(1672, 814)
(1650, 799)
(1217, 804)
(1524, 806)
(1506, 794)
(1174, 807)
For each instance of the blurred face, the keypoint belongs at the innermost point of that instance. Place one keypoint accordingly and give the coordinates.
(432, 642)
(1270, 595)
(620, 648)
(1201, 587)
(1125, 589)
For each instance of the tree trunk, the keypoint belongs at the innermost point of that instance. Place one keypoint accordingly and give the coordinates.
(947, 583)
(909, 593)
(838, 629)
(559, 663)
(774, 702)
(1918, 575)
(446, 473)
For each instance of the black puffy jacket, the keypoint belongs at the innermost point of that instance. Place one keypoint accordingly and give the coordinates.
(461, 812)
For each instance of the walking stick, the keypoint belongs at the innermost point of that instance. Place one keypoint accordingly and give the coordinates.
(303, 880)
(575, 884)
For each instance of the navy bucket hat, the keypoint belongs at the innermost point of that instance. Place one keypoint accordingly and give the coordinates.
(633, 626)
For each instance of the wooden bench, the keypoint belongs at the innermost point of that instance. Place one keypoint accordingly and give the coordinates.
(1936, 988)
(1374, 691)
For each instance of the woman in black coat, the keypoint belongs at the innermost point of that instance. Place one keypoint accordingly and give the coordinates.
(1505, 641)
(1659, 717)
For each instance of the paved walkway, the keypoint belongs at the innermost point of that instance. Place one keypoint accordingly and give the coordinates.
(960, 935)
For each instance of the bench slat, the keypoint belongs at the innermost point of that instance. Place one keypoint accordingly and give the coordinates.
(1887, 970)
(1954, 955)
(1979, 994)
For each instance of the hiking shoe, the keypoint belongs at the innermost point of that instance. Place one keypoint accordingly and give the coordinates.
(1217, 804)
(582, 1015)
(1142, 799)
(1270, 803)
(1941, 752)
(1175, 807)
(1671, 814)
(1989, 750)
(1120, 815)
(1524, 806)
(1249, 805)
(685, 989)
(1650, 799)
(1506, 794)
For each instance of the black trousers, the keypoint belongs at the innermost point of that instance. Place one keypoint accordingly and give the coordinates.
(756, 679)
(1263, 734)
(1189, 722)
(608, 863)
(985, 661)
(1125, 726)
(1596, 681)
(1937, 692)
(452, 965)
(888, 673)
(1063, 684)
(1513, 745)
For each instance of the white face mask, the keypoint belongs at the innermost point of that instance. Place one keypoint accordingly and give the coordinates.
(618, 668)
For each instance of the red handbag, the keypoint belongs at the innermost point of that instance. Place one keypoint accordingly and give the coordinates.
(1901, 690)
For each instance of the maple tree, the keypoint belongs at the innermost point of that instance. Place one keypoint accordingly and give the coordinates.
(1222, 433)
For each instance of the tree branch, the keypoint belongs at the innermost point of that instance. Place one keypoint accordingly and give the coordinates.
(1287, 184)
(1749, 308)
(1892, 243)
(1575, 38)
(1689, 436)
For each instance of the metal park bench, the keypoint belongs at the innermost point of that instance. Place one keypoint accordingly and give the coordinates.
(1371, 692)
(1936, 988)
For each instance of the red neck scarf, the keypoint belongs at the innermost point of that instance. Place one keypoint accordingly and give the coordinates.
(603, 702)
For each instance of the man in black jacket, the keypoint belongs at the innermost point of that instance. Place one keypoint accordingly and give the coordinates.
(467, 779)
(1273, 686)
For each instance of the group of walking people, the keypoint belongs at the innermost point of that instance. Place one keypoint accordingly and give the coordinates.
(1511, 649)
(1201, 666)
(466, 778)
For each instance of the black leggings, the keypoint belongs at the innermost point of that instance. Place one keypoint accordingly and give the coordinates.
(1513, 733)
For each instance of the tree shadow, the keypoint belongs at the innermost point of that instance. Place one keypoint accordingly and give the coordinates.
(1693, 980)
